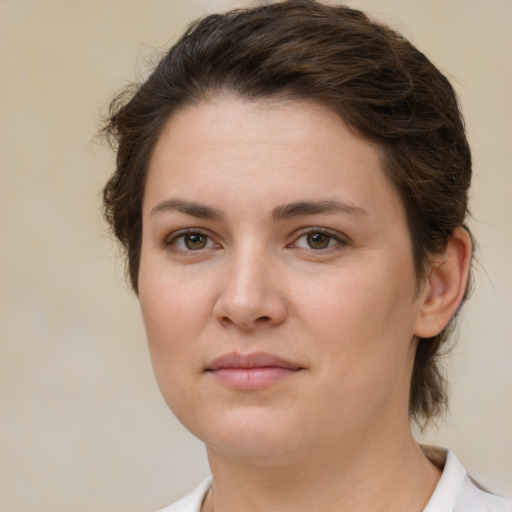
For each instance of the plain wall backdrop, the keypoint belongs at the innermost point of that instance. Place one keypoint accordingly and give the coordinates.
(82, 424)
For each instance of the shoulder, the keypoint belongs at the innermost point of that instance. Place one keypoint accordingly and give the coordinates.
(191, 502)
(457, 492)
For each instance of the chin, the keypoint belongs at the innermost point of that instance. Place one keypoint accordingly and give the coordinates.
(254, 436)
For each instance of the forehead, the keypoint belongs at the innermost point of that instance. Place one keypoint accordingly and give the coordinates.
(234, 148)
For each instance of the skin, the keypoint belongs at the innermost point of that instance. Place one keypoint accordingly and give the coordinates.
(328, 286)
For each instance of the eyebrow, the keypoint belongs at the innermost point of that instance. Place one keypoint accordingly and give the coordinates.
(301, 208)
(287, 211)
(201, 211)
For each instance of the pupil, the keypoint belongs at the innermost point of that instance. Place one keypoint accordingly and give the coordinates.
(318, 240)
(195, 241)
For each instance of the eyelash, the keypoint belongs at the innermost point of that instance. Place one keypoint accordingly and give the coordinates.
(339, 241)
(172, 241)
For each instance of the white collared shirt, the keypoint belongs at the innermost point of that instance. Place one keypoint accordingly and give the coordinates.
(455, 491)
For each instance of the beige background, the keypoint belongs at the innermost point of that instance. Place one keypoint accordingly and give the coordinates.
(82, 425)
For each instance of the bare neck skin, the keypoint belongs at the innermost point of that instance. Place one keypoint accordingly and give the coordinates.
(388, 473)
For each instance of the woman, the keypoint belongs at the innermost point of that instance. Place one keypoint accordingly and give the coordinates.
(291, 190)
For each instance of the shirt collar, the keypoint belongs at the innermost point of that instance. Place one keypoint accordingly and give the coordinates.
(449, 485)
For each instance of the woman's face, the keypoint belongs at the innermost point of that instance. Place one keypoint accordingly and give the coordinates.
(276, 280)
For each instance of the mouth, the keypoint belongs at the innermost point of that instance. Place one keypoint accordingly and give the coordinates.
(251, 371)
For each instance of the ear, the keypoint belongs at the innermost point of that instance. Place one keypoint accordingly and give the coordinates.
(445, 285)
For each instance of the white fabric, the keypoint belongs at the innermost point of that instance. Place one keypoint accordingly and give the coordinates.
(455, 491)
(191, 502)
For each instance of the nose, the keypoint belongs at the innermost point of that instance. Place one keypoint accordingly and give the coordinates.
(250, 294)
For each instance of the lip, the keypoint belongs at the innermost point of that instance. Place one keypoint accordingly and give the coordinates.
(251, 371)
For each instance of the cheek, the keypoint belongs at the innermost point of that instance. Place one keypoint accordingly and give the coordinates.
(174, 312)
(173, 305)
(359, 300)
(363, 322)
(170, 340)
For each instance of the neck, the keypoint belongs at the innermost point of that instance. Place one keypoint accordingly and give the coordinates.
(381, 474)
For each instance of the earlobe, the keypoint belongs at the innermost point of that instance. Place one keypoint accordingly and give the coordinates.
(445, 285)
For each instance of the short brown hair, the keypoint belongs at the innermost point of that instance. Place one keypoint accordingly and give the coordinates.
(372, 77)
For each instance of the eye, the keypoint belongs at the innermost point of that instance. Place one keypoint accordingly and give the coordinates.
(317, 240)
(191, 241)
